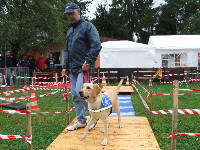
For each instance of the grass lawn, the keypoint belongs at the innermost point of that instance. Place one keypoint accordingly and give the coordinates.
(162, 123)
(47, 127)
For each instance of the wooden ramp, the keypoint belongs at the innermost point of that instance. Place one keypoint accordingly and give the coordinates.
(135, 135)
(123, 89)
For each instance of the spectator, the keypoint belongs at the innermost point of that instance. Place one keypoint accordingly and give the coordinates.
(1, 61)
(50, 62)
(23, 62)
(41, 63)
(32, 64)
(8, 60)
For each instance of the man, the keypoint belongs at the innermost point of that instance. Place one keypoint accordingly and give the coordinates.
(41, 63)
(82, 48)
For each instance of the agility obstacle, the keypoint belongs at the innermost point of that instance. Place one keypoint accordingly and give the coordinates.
(136, 134)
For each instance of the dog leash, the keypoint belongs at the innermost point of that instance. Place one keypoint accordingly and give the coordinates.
(86, 76)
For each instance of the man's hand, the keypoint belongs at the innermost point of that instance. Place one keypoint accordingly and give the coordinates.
(64, 72)
(86, 67)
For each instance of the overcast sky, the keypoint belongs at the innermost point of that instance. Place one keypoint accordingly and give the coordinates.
(94, 4)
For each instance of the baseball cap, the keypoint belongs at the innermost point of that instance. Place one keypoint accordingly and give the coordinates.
(70, 7)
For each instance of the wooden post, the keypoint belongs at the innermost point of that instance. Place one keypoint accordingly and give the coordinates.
(32, 80)
(151, 101)
(175, 113)
(56, 76)
(67, 100)
(108, 77)
(98, 75)
(29, 127)
(68, 113)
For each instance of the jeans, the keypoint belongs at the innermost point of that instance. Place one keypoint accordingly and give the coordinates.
(76, 80)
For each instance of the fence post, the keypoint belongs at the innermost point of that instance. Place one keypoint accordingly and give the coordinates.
(66, 98)
(98, 75)
(29, 127)
(56, 77)
(175, 113)
(151, 101)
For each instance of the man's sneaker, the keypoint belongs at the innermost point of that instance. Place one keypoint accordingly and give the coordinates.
(75, 126)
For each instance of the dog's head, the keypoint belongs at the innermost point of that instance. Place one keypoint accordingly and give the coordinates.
(89, 91)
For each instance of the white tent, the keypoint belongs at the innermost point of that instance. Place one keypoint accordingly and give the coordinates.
(126, 54)
(176, 50)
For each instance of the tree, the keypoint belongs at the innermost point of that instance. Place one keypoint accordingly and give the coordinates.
(31, 24)
(126, 17)
(178, 17)
(102, 23)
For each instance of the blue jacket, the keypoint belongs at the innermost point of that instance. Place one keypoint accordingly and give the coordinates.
(83, 45)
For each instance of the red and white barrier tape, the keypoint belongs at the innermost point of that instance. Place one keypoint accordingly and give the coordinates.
(4, 104)
(194, 90)
(27, 89)
(14, 91)
(41, 88)
(143, 101)
(180, 111)
(23, 112)
(134, 81)
(51, 83)
(169, 75)
(20, 77)
(172, 94)
(28, 139)
(38, 96)
(5, 86)
(188, 134)
(184, 81)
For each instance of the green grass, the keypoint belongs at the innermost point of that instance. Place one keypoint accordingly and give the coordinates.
(162, 123)
(47, 127)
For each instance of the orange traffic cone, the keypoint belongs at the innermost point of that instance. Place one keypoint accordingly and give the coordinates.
(127, 80)
(104, 81)
(33, 102)
(8, 96)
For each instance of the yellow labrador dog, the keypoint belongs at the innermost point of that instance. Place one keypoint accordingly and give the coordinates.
(99, 105)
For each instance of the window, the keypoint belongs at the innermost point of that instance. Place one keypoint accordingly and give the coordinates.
(172, 60)
(177, 60)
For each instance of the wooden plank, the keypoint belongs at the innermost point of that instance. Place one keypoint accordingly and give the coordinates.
(123, 89)
(135, 135)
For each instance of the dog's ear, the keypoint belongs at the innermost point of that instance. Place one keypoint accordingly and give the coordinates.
(97, 89)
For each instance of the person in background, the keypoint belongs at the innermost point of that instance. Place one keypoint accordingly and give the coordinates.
(81, 50)
(9, 62)
(41, 63)
(23, 61)
(1, 61)
(50, 62)
(32, 64)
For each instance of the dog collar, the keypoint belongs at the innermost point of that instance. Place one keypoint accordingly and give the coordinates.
(105, 104)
